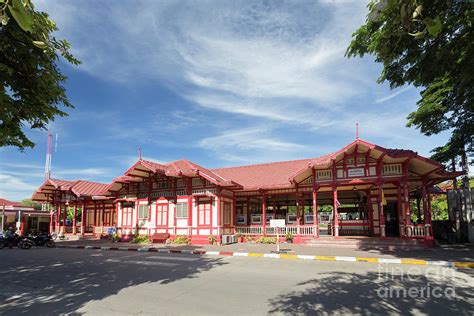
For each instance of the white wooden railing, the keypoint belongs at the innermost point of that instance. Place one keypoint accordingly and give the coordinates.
(419, 231)
(249, 230)
(258, 230)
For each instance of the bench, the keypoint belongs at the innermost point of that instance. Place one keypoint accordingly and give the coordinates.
(160, 238)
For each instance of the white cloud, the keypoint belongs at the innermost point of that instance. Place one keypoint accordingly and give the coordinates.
(257, 145)
(13, 188)
(280, 64)
(392, 95)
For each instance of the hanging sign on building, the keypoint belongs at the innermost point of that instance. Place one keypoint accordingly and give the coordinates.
(355, 172)
(277, 223)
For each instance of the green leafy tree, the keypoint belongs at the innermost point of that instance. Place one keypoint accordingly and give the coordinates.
(70, 214)
(439, 207)
(428, 44)
(32, 92)
(29, 202)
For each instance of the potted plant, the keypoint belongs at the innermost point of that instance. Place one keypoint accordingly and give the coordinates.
(289, 238)
(240, 238)
(212, 239)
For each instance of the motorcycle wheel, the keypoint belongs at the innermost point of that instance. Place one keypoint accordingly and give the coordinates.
(24, 244)
(54, 236)
(2, 245)
(50, 244)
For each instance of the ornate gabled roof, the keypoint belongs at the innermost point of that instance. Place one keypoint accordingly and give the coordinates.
(178, 168)
(88, 188)
(10, 203)
(281, 174)
(77, 187)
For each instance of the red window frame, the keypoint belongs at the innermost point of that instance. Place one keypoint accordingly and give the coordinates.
(227, 214)
(127, 216)
(148, 212)
(205, 212)
(162, 214)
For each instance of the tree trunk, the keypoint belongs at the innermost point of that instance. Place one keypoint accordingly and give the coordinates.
(465, 169)
(453, 167)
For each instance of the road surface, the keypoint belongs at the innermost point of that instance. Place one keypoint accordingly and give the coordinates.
(44, 281)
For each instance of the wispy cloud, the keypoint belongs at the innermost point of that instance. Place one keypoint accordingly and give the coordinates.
(392, 95)
(258, 80)
(14, 188)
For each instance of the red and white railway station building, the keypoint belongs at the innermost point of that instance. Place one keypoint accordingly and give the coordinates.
(183, 198)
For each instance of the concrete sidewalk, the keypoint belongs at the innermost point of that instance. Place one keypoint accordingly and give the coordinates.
(464, 253)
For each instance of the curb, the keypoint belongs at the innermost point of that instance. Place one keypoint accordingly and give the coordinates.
(453, 264)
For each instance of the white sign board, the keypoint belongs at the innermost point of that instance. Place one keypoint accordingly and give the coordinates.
(277, 223)
(355, 172)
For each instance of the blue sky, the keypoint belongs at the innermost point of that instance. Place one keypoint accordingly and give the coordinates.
(220, 83)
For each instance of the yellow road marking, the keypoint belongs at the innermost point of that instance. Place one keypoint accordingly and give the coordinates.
(374, 260)
(326, 258)
(460, 264)
(287, 256)
(255, 254)
(414, 261)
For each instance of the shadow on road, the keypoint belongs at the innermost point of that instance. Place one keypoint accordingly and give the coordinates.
(379, 293)
(56, 281)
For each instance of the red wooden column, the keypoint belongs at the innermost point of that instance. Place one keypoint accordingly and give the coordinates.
(175, 197)
(297, 202)
(264, 213)
(406, 199)
(64, 218)
(51, 214)
(83, 219)
(103, 215)
(218, 215)
(58, 219)
(315, 210)
(95, 215)
(381, 214)
(370, 212)
(74, 228)
(189, 192)
(22, 224)
(430, 228)
(302, 209)
(112, 214)
(399, 211)
(336, 215)
(115, 217)
(426, 219)
(234, 214)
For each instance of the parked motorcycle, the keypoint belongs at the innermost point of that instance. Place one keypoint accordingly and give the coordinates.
(59, 236)
(41, 240)
(16, 241)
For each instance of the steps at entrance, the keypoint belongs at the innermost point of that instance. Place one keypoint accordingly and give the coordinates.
(367, 243)
(79, 237)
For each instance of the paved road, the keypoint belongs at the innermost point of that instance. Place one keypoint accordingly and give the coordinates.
(72, 281)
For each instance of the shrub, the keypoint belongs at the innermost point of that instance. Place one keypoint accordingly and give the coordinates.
(181, 240)
(266, 240)
(140, 239)
(114, 237)
(212, 239)
(289, 236)
(249, 238)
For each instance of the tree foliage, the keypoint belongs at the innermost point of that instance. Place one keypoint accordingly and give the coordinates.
(428, 44)
(32, 92)
(29, 202)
